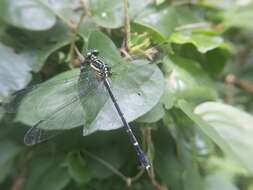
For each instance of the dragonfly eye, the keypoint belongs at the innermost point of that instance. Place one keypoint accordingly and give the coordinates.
(88, 55)
(94, 52)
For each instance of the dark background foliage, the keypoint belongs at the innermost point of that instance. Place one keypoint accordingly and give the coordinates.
(190, 62)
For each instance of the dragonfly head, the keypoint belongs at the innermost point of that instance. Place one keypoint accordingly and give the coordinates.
(93, 52)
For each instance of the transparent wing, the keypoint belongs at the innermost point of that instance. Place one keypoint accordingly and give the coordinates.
(56, 84)
(83, 107)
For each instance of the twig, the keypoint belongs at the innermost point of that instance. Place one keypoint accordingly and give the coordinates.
(243, 84)
(151, 173)
(127, 25)
(107, 165)
(128, 180)
(75, 34)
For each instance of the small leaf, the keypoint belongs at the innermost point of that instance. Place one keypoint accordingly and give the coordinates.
(202, 40)
(229, 127)
(27, 14)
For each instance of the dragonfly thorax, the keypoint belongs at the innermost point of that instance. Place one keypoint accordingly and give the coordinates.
(101, 69)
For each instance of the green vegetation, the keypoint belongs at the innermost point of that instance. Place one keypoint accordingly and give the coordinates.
(182, 74)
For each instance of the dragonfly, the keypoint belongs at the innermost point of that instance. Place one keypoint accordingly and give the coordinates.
(93, 82)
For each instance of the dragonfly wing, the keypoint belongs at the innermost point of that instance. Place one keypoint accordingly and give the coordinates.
(71, 114)
(53, 125)
(57, 85)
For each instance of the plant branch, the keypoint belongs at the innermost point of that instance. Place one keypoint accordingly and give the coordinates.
(127, 25)
(243, 84)
(21, 178)
(107, 165)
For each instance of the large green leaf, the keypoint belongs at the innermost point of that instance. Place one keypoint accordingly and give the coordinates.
(185, 79)
(14, 70)
(27, 14)
(137, 87)
(229, 127)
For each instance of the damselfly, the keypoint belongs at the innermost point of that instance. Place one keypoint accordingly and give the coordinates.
(92, 82)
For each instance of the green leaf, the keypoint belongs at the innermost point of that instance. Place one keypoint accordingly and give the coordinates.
(77, 168)
(203, 41)
(227, 126)
(14, 70)
(9, 151)
(27, 14)
(185, 79)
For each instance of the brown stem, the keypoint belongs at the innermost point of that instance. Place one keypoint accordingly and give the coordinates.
(243, 84)
(75, 33)
(19, 181)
